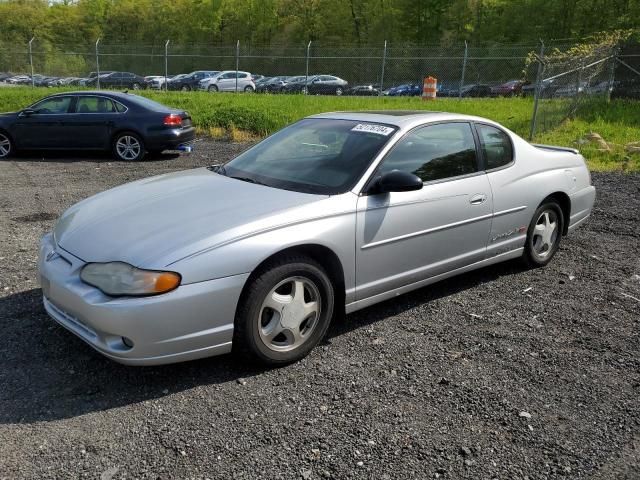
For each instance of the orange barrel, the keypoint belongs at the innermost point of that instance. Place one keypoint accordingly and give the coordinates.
(429, 88)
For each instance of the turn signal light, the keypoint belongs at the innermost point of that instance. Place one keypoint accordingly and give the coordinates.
(173, 120)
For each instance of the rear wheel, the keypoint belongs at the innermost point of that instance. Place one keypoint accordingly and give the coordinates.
(185, 88)
(128, 147)
(285, 311)
(544, 234)
(6, 146)
(339, 91)
(136, 86)
(248, 89)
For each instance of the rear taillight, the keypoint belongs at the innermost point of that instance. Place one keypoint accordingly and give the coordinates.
(173, 120)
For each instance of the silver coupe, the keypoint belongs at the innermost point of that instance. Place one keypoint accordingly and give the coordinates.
(332, 214)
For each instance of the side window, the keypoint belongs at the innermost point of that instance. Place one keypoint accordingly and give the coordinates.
(53, 106)
(94, 105)
(120, 108)
(434, 152)
(496, 146)
(229, 75)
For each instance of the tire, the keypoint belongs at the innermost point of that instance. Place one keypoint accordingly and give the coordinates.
(212, 88)
(185, 88)
(271, 298)
(248, 89)
(136, 86)
(339, 91)
(542, 244)
(7, 148)
(128, 147)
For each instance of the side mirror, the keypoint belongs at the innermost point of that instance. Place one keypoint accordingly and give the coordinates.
(27, 112)
(396, 181)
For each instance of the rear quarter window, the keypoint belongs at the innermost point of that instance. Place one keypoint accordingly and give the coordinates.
(496, 146)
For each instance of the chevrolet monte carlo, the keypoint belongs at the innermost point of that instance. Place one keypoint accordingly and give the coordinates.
(332, 214)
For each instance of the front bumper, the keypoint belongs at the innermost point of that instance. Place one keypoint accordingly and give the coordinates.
(193, 321)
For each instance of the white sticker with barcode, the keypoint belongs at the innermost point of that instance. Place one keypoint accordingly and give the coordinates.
(371, 128)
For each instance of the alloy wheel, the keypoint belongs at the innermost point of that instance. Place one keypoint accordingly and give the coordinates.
(5, 146)
(545, 233)
(128, 147)
(289, 314)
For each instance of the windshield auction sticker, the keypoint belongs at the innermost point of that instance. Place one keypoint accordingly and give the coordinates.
(370, 128)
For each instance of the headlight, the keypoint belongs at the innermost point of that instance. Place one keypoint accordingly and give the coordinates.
(120, 279)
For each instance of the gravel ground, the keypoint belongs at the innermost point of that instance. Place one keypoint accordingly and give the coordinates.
(500, 373)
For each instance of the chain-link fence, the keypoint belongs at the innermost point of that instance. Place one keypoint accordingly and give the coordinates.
(560, 78)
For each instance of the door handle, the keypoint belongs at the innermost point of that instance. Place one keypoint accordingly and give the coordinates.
(478, 199)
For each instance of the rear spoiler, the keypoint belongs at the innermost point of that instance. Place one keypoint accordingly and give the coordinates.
(556, 149)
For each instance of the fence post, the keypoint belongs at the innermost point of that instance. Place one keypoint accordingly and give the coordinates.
(384, 60)
(612, 73)
(97, 64)
(237, 62)
(33, 82)
(166, 65)
(306, 75)
(538, 91)
(464, 68)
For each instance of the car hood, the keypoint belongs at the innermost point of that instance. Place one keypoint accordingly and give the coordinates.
(157, 221)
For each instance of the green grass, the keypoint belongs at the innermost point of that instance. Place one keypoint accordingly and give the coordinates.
(618, 122)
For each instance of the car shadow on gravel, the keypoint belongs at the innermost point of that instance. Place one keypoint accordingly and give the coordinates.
(71, 156)
(49, 374)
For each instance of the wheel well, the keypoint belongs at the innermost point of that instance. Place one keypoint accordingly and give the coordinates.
(125, 130)
(563, 200)
(325, 257)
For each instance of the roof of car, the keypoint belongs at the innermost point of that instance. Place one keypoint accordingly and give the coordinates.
(396, 117)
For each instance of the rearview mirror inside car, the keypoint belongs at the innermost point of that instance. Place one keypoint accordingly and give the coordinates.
(396, 181)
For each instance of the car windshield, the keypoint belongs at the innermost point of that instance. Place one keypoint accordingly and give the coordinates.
(322, 156)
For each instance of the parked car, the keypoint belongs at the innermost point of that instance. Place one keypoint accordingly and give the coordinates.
(512, 88)
(4, 76)
(626, 89)
(369, 90)
(327, 85)
(190, 81)
(339, 211)
(298, 84)
(476, 90)
(127, 125)
(19, 80)
(276, 84)
(404, 90)
(229, 81)
(118, 80)
(92, 76)
(155, 82)
(547, 89)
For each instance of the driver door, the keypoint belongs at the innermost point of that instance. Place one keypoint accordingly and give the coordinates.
(406, 237)
(44, 127)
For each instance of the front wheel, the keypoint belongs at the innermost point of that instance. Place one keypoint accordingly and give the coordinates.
(544, 234)
(185, 88)
(136, 86)
(339, 91)
(6, 146)
(128, 147)
(285, 311)
(212, 88)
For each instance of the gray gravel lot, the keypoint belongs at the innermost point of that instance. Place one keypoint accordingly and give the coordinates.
(500, 373)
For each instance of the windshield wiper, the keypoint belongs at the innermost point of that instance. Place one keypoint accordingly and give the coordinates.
(248, 180)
